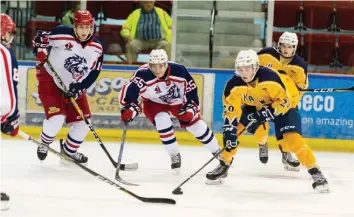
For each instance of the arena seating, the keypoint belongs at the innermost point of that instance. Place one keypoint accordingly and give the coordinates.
(346, 49)
(319, 48)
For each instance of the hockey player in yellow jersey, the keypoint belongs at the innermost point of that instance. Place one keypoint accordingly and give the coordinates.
(291, 67)
(258, 95)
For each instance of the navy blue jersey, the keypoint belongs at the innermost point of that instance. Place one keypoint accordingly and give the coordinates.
(177, 88)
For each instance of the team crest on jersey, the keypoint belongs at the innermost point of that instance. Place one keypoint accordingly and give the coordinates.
(157, 89)
(172, 94)
(69, 46)
(76, 65)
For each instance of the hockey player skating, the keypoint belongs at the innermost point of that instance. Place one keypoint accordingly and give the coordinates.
(258, 94)
(166, 88)
(76, 56)
(9, 79)
(284, 60)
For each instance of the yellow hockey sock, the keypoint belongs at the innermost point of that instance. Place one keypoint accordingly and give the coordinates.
(261, 133)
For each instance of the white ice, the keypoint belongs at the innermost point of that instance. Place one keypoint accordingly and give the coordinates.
(50, 189)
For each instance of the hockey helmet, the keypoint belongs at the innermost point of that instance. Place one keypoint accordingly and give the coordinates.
(83, 18)
(246, 58)
(288, 38)
(158, 57)
(7, 25)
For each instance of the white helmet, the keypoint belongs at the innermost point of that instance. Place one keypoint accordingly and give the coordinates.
(289, 38)
(158, 56)
(247, 58)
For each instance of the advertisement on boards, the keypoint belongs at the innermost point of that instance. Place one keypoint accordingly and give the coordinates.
(323, 115)
(102, 98)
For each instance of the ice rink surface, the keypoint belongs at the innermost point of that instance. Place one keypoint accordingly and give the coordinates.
(51, 189)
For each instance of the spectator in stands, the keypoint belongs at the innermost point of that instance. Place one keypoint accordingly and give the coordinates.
(147, 28)
(68, 18)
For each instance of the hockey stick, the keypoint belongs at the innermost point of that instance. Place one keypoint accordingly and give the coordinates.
(178, 189)
(126, 167)
(120, 155)
(100, 177)
(324, 90)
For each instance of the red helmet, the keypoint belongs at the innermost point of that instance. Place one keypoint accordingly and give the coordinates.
(83, 18)
(7, 25)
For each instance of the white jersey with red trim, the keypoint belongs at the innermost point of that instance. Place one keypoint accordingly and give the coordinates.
(178, 87)
(9, 80)
(72, 60)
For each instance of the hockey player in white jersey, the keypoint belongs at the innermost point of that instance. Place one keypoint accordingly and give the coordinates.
(76, 56)
(9, 79)
(165, 88)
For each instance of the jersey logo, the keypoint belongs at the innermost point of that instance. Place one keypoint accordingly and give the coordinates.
(172, 94)
(157, 89)
(53, 110)
(69, 46)
(76, 65)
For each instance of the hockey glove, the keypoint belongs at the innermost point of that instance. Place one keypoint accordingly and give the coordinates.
(40, 45)
(74, 91)
(129, 112)
(11, 125)
(229, 137)
(188, 111)
(265, 115)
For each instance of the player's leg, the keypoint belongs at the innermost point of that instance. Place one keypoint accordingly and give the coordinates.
(289, 162)
(51, 99)
(132, 48)
(160, 118)
(78, 131)
(261, 135)
(288, 133)
(218, 175)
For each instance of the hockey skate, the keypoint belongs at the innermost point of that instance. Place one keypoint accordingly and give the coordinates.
(289, 163)
(320, 183)
(176, 162)
(218, 175)
(42, 153)
(263, 153)
(77, 156)
(5, 199)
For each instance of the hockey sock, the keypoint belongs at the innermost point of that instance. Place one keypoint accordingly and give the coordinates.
(202, 132)
(228, 156)
(261, 133)
(51, 128)
(75, 137)
(164, 127)
(296, 144)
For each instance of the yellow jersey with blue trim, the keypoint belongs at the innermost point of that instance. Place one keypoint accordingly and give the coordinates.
(266, 89)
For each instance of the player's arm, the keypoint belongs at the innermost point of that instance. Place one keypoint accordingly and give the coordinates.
(300, 77)
(128, 97)
(10, 122)
(279, 96)
(232, 102)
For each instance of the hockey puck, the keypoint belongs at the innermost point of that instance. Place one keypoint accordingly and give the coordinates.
(177, 191)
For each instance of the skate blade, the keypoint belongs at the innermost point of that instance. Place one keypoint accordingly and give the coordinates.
(291, 169)
(65, 162)
(323, 188)
(5, 205)
(177, 170)
(219, 181)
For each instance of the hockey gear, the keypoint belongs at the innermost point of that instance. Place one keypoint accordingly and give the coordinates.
(74, 91)
(188, 112)
(42, 153)
(4, 201)
(176, 162)
(158, 62)
(83, 25)
(77, 156)
(120, 156)
(229, 137)
(263, 153)
(100, 177)
(129, 112)
(11, 125)
(246, 64)
(290, 163)
(8, 29)
(320, 183)
(288, 38)
(40, 45)
(262, 116)
(350, 89)
(58, 79)
(218, 175)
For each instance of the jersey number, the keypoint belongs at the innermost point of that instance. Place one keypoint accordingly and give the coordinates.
(16, 77)
(139, 82)
(191, 86)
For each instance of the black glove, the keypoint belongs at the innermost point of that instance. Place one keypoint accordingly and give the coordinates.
(11, 125)
(265, 115)
(41, 46)
(229, 137)
(74, 91)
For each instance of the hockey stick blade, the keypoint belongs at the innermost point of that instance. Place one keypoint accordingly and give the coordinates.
(129, 167)
(97, 175)
(119, 179)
